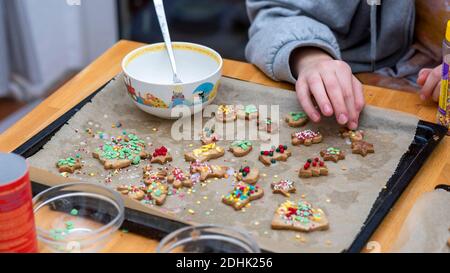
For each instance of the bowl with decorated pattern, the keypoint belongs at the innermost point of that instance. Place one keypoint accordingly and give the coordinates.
(149, 82)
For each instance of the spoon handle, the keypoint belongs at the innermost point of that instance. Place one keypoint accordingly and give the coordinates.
(159, 7)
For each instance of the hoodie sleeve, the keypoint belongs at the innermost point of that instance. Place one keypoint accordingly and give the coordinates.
(277, 29)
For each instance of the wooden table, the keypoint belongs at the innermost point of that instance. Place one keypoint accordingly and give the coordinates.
(435, 171)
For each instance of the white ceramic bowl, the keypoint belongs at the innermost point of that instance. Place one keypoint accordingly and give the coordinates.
(149, 79)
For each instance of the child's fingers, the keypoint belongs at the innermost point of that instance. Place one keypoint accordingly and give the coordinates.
(334, 92)
(423, 75)
(345, 80)
(317, 89)
(359, 94)
(430, 83)
(304, 97)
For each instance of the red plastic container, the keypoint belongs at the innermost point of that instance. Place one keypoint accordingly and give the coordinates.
(17, 228)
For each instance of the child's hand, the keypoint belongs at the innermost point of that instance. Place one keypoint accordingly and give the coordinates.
(430, 80)
(331, 83)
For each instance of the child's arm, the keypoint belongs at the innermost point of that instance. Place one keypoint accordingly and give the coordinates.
(430, 80)
(285, 34)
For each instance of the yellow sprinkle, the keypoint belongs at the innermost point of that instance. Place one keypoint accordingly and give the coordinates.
(205, 197)
(328, 200)
(243, 209)
(256, 223)
(198, 202)
(298, 236)
(190, 145)
(275, 176)
(65, 174)
(92, 174)
(191, 211)
(264, 174)
(303, 196)
(155, 129)
(328, 242)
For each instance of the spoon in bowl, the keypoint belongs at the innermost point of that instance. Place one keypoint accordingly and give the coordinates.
(159, 7)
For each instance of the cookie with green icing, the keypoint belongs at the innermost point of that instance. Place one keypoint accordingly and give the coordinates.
(121, 152)
(296, 119)
(248, 112)
(241, 148)
(69, 164)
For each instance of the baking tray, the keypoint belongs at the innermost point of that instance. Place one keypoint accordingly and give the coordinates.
(427, 137)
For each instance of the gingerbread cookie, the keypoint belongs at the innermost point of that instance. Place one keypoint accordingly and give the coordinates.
(157, 191)
(273, 155)
(209, 136)
(131, 191)
(299, 216)
(226, 113)
(242, 194)
(267, 125)
(363, 148)
(205, 153)
(151, 175)
(161, 156)
(248, 175)
(241, 148)
(353, 135)
(313, 167)
(121, 152)
(296, 119)
(179, 179)
(249, 112)
(207, 170)
(68, 165)
(306, 137)
(285, 187)
(332, 154)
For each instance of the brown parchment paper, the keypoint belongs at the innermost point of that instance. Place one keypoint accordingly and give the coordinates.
(346, 194)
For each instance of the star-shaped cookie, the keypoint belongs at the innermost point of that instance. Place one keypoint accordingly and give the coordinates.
(179, 179)
(161, 156)
(363, 148)
(353, 135)
(69, 164)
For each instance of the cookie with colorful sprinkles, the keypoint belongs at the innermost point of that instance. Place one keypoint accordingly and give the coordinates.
(121, 152)
(248, 112)
(296, 119)
(242, 194)
(332, 154)
(313, 168)
(207, 170)
(69, 164)
(353, 135)
(209, 136)
(179, 179)
(285, 187)
(248, 175)
(157, 191)
(161, 156)
(226, 113)
(205, 153)
(241, 148)
(267, 125)
(151, 174)
(306, 137)
(281, 153)
(300, 216)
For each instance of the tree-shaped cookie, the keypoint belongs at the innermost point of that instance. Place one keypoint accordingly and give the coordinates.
(121, 152)
(207, 170)
(267, 125)
(131, 191)
(296, 119)
(306, 137)
(209, 136)
(248, 112)
(205, 153)
(332, 154)
(179, 179)
(69, 164)
(363, 148)
(281, 153)
(248, 175)
(353, 135)
(161, 156)
(241, 147)
(300, 216)
(242, 194)
(284, 186)
(226, 113)
(313, 167)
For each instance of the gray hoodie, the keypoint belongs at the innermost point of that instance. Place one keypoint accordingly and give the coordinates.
(367, 37)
